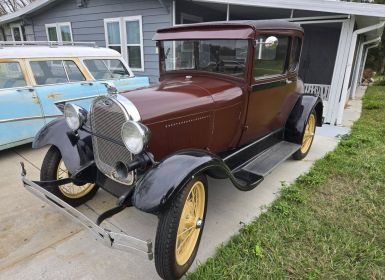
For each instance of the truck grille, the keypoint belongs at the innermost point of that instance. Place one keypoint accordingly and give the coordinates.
(107, 118)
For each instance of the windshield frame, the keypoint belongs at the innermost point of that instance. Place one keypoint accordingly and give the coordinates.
(163, 72)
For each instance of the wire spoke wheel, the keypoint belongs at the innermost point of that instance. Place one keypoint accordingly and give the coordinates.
(71, 190)
(189, 223)
(308, 134)
(180, 229)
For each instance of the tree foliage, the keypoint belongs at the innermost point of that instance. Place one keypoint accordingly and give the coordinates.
(10, 6)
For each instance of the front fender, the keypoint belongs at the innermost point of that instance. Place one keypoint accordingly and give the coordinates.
(296, 122)
(159, 184)
(76, 150)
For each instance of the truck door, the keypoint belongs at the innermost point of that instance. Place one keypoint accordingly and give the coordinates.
(21, 116)
(272, 88)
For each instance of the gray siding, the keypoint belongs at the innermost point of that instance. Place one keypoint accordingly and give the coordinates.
(88, 25)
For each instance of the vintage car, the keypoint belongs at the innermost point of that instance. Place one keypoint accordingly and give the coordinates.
(229, 105)
(35, 77)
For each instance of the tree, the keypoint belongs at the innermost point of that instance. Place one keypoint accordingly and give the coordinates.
(376, 56)
(10, 6)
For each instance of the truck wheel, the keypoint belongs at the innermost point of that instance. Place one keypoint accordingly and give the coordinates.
(308, 137)
(180, 229)
(53, 168)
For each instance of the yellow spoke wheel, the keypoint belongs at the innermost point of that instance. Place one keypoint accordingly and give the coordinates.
(308, 134)
(71, 190)
(190, 223)
(180, 227)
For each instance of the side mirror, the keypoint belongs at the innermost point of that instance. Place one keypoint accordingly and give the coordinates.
(111, 89)
(271, 42)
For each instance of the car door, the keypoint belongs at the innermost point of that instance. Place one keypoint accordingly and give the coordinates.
(116, 71)
(59, 81)
(21, 116)
(272, 90)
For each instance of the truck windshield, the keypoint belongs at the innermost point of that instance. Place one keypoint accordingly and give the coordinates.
(217, 56)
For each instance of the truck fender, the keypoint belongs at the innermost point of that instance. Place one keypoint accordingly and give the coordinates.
(296, 122)
(76, 149)
(160, 183)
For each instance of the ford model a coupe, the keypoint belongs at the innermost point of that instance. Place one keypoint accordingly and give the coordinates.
(229, 105)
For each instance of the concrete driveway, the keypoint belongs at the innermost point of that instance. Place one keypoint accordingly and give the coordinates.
(37, 242)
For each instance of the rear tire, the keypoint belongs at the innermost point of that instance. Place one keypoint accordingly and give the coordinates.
(176, 246)
(308, 136)
(50, 171)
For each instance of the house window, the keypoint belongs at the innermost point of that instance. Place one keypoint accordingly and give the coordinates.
(60, 32)
(125, 35)
(18, 32)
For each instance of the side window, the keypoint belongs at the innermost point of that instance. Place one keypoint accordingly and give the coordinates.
(54, 72)
(11, 75)
(73, 71)
(270, 55)
(103, 69)
(295, 53)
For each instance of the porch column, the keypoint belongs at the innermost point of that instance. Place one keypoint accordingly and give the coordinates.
(339, 70)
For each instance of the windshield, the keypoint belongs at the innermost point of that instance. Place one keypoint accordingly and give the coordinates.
(105, 69)
(216, 56)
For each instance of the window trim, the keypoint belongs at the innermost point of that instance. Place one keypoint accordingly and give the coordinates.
(123, 38)
(17, 25)
(57, 26)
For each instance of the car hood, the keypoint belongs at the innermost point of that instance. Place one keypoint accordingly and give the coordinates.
(180, 97)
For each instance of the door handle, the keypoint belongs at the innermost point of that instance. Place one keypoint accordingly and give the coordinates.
(25, 89)
(87, 84)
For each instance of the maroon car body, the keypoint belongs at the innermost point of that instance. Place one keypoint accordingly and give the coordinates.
(229, 104)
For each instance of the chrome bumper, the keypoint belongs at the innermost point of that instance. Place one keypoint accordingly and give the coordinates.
(109, 238)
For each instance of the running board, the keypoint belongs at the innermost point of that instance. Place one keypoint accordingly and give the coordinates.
(264, 163)
(115, 240)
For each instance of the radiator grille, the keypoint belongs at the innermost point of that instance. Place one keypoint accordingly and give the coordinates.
(107, 118)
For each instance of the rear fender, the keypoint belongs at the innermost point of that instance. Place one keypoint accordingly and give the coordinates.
(76, 149)
(296, 122)
(160, 184)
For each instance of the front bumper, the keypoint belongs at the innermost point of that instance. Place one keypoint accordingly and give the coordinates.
(109, 238)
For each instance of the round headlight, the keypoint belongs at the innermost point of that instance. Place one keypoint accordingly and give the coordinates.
(135, 136)
(75, 116)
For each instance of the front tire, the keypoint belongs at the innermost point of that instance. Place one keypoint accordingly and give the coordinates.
(180, 229)
(53, 168)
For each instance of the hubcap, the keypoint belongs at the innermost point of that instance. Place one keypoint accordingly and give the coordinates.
(190, 223)
(309, 134)
(71, 190)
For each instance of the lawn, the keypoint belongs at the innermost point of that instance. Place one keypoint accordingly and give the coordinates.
(329, 224)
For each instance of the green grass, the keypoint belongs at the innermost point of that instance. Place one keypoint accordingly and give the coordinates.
(329, 224)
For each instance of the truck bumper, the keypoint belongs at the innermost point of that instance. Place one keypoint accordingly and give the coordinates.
(109, 238)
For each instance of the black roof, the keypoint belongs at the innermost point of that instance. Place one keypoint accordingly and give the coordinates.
(255, 24)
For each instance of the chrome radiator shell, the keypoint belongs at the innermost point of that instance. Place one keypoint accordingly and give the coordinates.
(107, 116)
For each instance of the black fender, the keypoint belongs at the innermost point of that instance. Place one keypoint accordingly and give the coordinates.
(296, 122)
(76, 149)
(160, 183)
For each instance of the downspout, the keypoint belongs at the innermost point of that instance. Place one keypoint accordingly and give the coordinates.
(356, 75)
(365, 57)
(350, 64)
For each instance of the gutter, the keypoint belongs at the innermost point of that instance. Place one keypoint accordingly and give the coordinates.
(350, 64)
